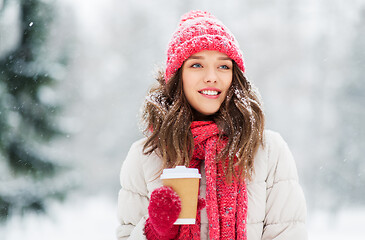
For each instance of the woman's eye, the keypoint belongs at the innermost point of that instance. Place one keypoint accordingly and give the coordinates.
(224, 67)
(196, 65)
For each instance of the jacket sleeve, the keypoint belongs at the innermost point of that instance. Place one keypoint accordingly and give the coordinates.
(133, 197)
(285, 212)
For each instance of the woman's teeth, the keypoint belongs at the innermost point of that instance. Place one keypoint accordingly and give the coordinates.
(209, 92)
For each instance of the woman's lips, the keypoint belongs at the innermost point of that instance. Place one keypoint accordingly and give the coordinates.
(212, 93)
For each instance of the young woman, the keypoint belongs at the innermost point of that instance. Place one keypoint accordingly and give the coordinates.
(205, 114)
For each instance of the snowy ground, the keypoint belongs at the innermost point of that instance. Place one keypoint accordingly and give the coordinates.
(347, 224)
(94, 218)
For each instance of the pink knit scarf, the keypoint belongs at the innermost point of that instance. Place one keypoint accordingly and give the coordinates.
(226, 202)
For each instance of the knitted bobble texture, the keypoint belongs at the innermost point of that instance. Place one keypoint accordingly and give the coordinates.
(198, 31)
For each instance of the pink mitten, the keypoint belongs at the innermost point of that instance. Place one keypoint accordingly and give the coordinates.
(201, 204)
(163, 210)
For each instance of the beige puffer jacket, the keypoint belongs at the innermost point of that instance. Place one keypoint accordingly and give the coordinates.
(276, 205)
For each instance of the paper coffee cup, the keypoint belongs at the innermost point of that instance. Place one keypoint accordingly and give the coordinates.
(185, 182)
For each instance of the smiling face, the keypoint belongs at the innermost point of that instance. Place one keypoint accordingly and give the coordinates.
(206, 78)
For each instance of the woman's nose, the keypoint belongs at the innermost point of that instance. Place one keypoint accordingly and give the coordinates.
(210, 76)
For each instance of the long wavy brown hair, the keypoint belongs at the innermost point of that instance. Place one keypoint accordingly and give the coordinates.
(167, 116)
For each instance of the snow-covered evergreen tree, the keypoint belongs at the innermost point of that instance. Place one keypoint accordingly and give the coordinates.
(27, 119)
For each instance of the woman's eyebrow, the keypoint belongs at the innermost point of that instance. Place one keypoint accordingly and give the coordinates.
(224, 58)
(201, 57)
(195, 57)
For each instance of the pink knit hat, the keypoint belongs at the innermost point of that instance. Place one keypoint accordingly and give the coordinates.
(199, 31)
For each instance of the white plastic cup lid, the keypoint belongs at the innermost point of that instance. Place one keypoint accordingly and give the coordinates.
(180, 172)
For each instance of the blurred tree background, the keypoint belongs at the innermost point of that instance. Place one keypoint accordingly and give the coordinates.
(27, 117)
